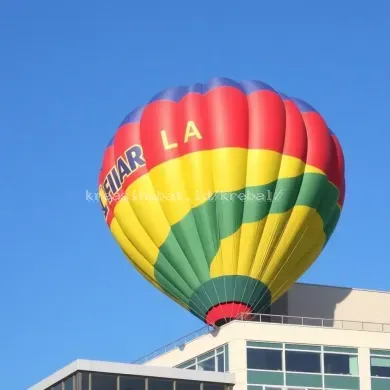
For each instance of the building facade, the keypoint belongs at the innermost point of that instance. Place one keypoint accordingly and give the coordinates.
(95, 375)
(314, 338)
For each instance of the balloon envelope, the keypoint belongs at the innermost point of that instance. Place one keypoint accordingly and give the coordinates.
(222, 194)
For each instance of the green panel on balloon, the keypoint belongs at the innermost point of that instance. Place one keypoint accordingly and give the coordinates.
(224, 298)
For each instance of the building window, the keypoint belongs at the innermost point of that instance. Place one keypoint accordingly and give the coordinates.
(264, 359)
(220, 363)
(186, 385)
(84, 380)
(213, 386)
(207, 364)
(380, 369)
(280, 366)
(188, 365)
(68, 384)
(301, 361)
(191, 367)
(340, 364)
(159, 384)
(131, 383)
(103, 381)
(215, 360)
(380, 366)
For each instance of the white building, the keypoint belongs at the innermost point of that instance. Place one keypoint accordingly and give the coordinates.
(315, 337)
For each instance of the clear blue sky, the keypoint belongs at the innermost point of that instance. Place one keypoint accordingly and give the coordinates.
(70, 71)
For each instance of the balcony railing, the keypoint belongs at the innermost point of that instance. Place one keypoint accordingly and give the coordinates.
(317, 322)
(175, 344)
(271, 319)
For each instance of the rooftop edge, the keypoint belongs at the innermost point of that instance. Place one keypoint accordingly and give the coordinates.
(133, 369)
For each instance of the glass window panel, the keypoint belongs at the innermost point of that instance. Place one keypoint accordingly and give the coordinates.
(340, 364)
(380, 371)
(380, 367)
(206, 355)
(220, 363)
(186, 385)
(213, 386)
(131, 383)
(304, 381)
(186, 364)
(264, 359)
(103, 381)
(160, 384)
(342, 382)
(85, 381)
(341, 350)
(304, 347)
(298, 388)
(207, 365)
(354, 365)
(297, 361)
(264, 344)
(226, 357)
(380, 361)
(276, 388)
(57, 387)
(379, 352)
(380, 384)
(68, 385)
(274, 378)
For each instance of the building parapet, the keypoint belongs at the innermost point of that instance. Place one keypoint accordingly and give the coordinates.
(271, 319)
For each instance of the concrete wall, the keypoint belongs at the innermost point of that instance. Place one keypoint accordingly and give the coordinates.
(337, 303)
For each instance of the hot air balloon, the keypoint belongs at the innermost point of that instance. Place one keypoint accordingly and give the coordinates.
(222, 194)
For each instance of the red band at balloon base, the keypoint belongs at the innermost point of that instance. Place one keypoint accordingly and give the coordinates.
(226, 312)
